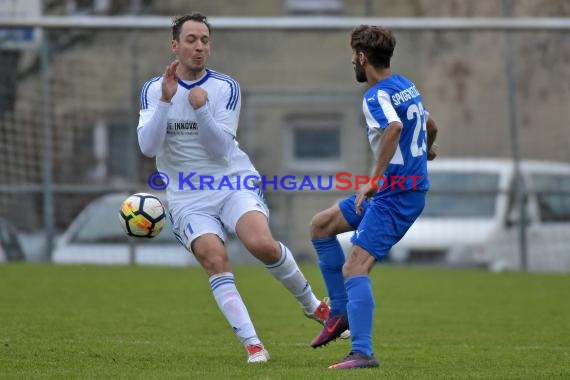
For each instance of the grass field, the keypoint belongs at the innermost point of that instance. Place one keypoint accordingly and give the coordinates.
(66, 322)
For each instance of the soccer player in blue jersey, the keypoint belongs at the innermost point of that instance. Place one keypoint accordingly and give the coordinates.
(401, 134)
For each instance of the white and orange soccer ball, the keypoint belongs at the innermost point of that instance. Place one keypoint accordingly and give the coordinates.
(142, 215)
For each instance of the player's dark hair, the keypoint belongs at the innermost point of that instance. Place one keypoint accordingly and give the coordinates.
(375, 42)
(179, 21)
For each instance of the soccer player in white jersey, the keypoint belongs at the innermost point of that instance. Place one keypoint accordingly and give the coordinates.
(401, 135)
(188, 120)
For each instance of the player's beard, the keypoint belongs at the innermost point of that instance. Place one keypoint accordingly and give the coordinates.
(196, 68)
(192, 69)
(191, 66)
(359, 72)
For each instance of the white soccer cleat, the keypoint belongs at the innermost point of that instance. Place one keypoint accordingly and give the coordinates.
(345, 335)
(256, 353)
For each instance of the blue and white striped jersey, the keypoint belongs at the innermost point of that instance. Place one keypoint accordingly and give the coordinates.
(396, 98)
(181, 151)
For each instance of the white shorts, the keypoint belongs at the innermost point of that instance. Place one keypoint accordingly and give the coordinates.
(214, 212)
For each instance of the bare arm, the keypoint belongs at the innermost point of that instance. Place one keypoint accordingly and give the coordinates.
(431, 136)
(388, 145)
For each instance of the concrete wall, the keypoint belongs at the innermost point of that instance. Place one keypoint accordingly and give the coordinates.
(460, 74)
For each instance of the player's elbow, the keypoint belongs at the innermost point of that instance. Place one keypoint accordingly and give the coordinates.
(431, 129)
(146, 149)
(147, 152)
(398, 128)
(395, 128)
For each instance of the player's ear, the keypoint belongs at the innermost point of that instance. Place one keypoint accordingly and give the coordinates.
(174, 46)
(362, 58)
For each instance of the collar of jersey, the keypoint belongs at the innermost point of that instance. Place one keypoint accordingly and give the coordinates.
(188, 86)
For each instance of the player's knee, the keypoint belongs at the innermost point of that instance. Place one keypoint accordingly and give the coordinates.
(351, 267)
(214, 262)
(320, 225)
(346, 270)
(265, 248)
(211, 254)
(358, 263)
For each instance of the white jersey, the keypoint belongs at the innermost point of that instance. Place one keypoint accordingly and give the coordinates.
(182, 157)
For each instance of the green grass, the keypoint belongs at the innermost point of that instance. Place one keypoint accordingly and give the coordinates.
(77, 322)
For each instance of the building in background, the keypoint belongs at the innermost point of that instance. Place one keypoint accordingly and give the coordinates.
(300, 108)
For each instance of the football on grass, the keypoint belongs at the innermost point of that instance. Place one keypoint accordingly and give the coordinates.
(142, 215)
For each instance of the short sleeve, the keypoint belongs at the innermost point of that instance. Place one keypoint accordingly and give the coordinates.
(378, 110)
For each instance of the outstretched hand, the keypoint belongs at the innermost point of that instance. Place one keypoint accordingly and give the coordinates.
(169, 82)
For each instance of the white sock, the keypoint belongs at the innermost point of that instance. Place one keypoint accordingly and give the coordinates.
(288, 273)
(232, 306)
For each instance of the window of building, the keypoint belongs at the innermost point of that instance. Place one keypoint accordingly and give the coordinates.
(314, 141)
(314, 7)
(106, 7)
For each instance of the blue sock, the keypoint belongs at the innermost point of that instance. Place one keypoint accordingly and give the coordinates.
(331, 260)
(360, 313)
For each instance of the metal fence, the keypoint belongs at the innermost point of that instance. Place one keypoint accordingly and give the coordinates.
(68, 109)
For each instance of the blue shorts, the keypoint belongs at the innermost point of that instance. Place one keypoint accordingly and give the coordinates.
(383, 221)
